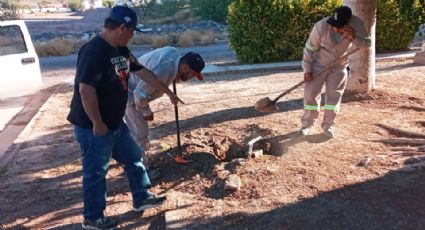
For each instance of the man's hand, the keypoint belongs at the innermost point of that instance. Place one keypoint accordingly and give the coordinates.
(100, 129)
(308, 77)
(174, 99)
(349, 33)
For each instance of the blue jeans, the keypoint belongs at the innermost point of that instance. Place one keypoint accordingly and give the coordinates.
(96, 153)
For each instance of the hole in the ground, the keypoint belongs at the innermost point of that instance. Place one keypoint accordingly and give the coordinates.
(226, 148)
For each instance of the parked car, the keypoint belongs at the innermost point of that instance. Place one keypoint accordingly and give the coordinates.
(18, 60)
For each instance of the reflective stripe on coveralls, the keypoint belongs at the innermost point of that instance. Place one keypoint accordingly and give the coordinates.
(311, 107)
(331, 107)
(310, 47)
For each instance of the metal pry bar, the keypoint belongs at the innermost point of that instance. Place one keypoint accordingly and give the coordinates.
(251, 145)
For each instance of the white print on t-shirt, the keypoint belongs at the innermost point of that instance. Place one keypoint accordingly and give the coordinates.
(122, 68)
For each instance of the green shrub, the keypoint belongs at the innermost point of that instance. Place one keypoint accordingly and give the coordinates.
(8, 10)
(396, 24)
(267, 31)
(74, 5)
(211, 10)
(166, 8)
(108, 3)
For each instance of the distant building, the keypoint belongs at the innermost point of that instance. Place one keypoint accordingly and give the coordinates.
(91, 4)
(130, 2)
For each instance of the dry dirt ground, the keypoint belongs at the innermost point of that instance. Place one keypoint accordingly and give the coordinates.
(309, 183)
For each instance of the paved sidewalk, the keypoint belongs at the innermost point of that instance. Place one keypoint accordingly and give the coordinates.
(22, 109)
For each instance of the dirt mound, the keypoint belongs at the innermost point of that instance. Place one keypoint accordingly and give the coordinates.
(379, 97)
(95, 15)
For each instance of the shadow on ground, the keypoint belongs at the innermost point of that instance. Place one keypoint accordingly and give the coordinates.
(394, 201)
(281, 144)
(38, 178)
(217, 117)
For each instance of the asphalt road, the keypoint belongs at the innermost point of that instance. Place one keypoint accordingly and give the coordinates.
(215, 53)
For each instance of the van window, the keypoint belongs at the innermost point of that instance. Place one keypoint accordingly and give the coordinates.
(11, 40)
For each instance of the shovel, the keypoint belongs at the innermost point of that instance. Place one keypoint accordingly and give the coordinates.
(266, 105)
(178, 158)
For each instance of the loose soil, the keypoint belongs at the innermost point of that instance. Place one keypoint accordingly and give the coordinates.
(306, 182)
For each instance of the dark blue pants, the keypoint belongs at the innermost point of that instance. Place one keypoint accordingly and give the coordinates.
(96, 153)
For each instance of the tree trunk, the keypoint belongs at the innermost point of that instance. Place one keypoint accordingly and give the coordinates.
(362, 63)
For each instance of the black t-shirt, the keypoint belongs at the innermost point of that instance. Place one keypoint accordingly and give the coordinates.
(106, 69)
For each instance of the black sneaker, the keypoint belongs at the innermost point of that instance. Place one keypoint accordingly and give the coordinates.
(151, 202)
(101, 223)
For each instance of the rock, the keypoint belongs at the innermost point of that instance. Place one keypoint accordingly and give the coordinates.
(257, 153)
(364, 162)
(220, 149)
(239, 161)
(223, 174)
(414, 160)
(233, 183)
(419, 58)
(164, 147)
(414, 167)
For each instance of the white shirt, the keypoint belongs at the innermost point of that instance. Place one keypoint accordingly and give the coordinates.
(164, 63)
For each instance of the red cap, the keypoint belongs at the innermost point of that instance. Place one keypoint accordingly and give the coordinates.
(196, 63)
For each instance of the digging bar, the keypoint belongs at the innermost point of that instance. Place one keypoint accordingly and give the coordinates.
(178, 158)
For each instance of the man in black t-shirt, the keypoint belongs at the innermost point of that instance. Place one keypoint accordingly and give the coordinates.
(97, 110)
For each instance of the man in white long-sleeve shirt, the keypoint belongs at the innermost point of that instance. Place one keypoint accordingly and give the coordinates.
(329, 39)
(167, 65)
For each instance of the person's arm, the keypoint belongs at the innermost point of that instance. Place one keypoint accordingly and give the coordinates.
(150, 78)
(91, 107)
(356, 32)
(311, 47)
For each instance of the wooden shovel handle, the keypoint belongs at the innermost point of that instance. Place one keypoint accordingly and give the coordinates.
(320, 71)
(288, 91)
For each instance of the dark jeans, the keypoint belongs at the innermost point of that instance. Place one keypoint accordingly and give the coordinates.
(96, 153)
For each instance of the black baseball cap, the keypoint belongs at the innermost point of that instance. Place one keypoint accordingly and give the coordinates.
(123, 14)
(340, 16)
(196, 63)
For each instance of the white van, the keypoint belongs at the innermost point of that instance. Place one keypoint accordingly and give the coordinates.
(20, 69)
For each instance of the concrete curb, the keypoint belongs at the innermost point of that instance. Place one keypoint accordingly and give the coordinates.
(216, 69)
(212, 69)
(19, 128)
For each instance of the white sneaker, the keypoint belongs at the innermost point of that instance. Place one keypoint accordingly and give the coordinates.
(305, 131)
(329, 132)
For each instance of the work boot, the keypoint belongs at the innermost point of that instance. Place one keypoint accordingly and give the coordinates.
(329, 132)
(305, 131)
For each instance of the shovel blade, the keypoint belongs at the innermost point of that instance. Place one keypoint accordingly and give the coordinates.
(266, 105)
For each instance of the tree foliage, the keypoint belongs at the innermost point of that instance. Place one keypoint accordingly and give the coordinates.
(8, 9)
(265, 31)
(108, 3)
(211, 10)
(74, 5)
(397, 22)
